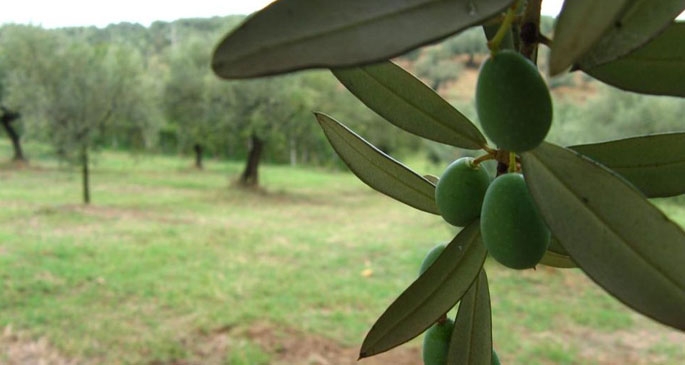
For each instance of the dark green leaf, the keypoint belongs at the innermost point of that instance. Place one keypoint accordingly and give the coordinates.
(639, 22)
(471, 341)
(290, 35)
(658, 68)
(616, 236)
(377, 169)
(431, 295)
(654, 164)
(408, 103)
(579, 26)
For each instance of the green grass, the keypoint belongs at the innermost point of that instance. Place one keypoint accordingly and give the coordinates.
(247, 353)
(167, 256)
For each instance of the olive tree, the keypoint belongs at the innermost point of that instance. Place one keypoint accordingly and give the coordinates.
(8, 119)
(20, 49)
(77, 93)
(184, 97)
(470, 42)
(262, 112)
(589, 202)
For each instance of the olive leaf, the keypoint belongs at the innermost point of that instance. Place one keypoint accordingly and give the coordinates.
(408, 103)
(556, 256)
(639, 22)
(556, 247)
(291, 35)
(655, 164)
(471, 341)
(432, 178)
(378, 170)
(617, 237)
(657, 68)
(432, 295)
(579, 26)
(560, 261)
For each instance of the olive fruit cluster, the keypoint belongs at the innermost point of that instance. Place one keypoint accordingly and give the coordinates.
(511, 227)
(513, 102)
(515, 110)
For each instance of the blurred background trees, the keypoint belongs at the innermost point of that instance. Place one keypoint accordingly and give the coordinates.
(74, 95)
(135, 88)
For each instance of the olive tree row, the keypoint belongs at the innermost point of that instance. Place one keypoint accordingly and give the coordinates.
(71, 94)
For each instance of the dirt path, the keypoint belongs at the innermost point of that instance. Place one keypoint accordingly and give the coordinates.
(286, 346)
(292, 347)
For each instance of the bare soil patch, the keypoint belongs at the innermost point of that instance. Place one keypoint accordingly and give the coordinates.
(286, 346)
(295, 347)
(18, 349)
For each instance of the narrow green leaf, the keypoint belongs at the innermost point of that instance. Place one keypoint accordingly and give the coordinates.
(431, 295)
(616, 236)
(290, 35)
(654, 164)
(557, 260)
(408, 103)
(471, 341)
(579, 26)
(432, 178)
(657, 68)
(639, 22)
(378, 170)
(556, 247)
(556, 256)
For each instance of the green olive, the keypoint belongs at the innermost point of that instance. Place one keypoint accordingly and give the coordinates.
(495, 358)
(512, 229)
(513, 102)
(460, 191)
(436, 343)
(431, 256)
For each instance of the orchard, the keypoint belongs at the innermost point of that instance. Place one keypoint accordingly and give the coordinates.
(584, 206)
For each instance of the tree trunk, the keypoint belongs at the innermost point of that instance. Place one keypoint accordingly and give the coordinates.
(86, 175)
(7, 118)
(471, 62)
(250, 176)
(198, 155)
(293, 152)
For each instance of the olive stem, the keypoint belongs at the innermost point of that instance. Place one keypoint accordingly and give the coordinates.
(544, 40)
(494, 43)
(489, 150)
(479, 160)
(512, 162)
(531, 16)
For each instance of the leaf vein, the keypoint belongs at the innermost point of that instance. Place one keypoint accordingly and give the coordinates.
(613, 231)
(361, 153)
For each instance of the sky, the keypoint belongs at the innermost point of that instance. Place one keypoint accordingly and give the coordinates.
(65, 13)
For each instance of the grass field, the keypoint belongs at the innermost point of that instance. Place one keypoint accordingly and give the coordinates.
(174, 266)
